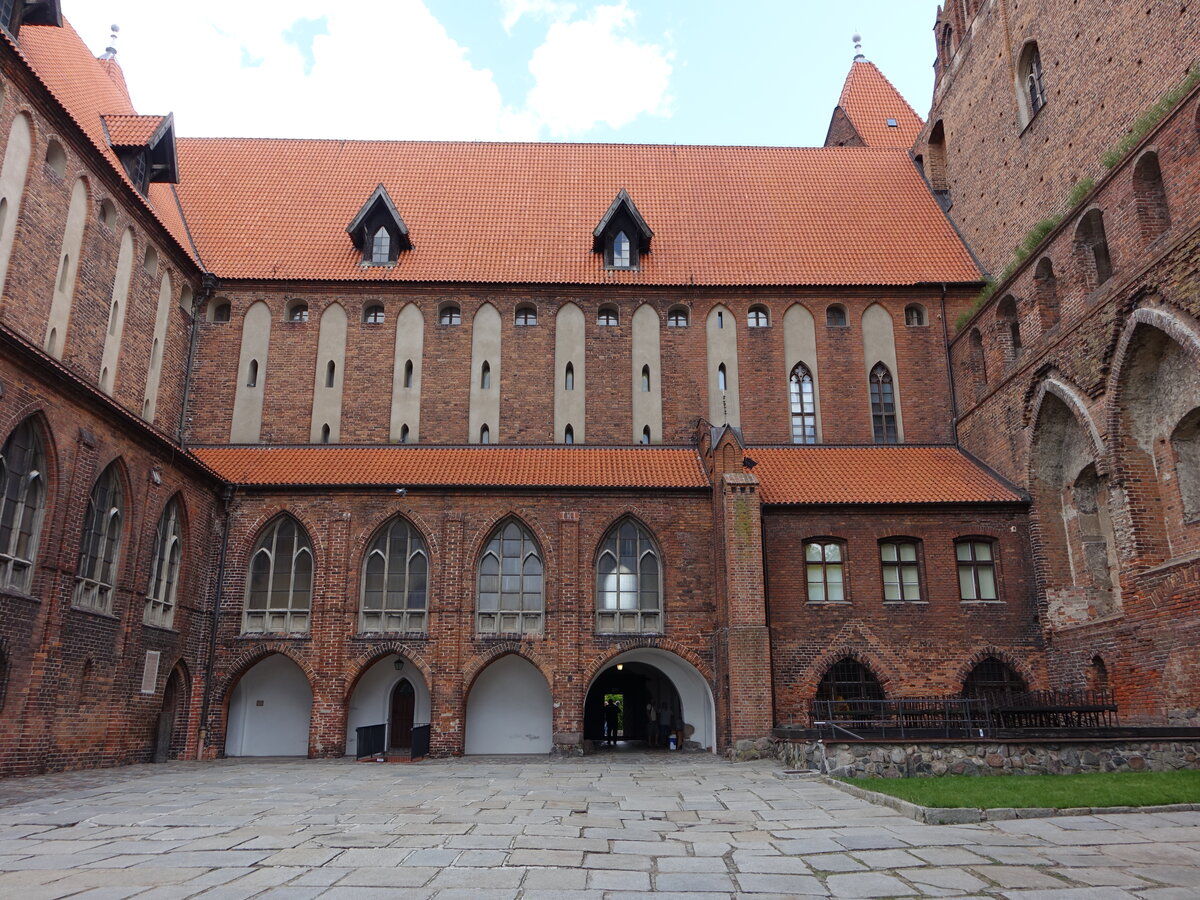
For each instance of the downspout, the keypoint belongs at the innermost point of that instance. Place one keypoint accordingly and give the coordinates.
(950, 372)
(208, 286)
(210, 664)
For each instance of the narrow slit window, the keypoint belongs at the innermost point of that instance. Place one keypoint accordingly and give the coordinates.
(722, 379)
(804, 406)
(646, 435)
(330, 373)
(569, 378)
(408, 374)
(645, 379)
(485, 376)
(485, 435)
(252, 375)
(324, 434)
(569, 435)
(404, 434)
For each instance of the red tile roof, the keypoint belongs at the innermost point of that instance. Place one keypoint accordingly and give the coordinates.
(89, 89)
(524, 213)
(544, 467)
(869, 100)
(875, 475)
(131, 131)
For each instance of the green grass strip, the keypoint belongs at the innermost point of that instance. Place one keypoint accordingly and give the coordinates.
(1050, 791)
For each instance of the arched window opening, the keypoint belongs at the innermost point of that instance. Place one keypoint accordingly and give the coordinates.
(1150, 197)
(395, 590)
(936, 160)
(804, 406)
(824, 562)
(979, 374)
(510, 598)
(164, 570)
(56, 158)
(404, 434)
(373, 315)
(108, 213)
(1033, 86)
(114, 314)
(607, 316)
(485, 376)
(1010, 321)
(848, 690)
(720, 319)
(568, 435)
(628, 581)
(330, 373)
(677, 317)
(252, 374)
(901, 567)
(100, 548)
(947, 48)
(381, 246)
(976, 568)
(408, 374)
(722, 378)
(64, 266)
(1045, 287)
(449, 314)
(883, 406)
(150, 261)
(325, 434)
(569, 378)
(298, 312)
(914, 315)
(279, 583)
(646, 434)
(22, 502)
(526, 315)
(835, 316)
(757, 317)
(221, 313)
(1091, 246)
(1185, 441)
(1097, 675)
(1089, 499)
(485, 435)
(994, 681)
(620, 252)
(645, 379)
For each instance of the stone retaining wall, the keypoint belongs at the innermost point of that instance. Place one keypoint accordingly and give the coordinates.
(900, 760)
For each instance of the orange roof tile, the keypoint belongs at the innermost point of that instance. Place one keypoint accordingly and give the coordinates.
(89, 89)
(547, 467)
(131, 131)
(874, 475)
(869, 100)
(495, 212)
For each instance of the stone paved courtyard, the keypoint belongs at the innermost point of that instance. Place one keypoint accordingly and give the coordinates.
(609, 826)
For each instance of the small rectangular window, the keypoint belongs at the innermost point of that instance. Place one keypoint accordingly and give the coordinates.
(976, 570)
(901, 572)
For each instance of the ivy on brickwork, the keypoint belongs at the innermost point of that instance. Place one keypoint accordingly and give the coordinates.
(1082, 188)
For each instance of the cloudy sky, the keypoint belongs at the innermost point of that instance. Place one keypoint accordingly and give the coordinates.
(658, 71)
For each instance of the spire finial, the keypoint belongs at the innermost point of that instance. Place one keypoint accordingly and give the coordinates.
(110, 52)
(858, 54)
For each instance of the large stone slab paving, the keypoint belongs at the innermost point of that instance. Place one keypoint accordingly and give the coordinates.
(600, 827)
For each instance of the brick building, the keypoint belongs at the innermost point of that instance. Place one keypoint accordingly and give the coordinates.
(304, 436)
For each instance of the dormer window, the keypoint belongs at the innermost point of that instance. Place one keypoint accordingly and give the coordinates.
(146, 147)
(378, 231)
(622, 235)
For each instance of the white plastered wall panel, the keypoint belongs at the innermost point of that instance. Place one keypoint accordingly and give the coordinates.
(695, 694)
(879, 346)
(800, 345)
(485, 348)
(12, 186)
(68, 268)
(248, 397)
(406, 401)
(647, 405)
(115, 332)
(269, 711)
(570, 406)
(371, 702)
(509, 709)
(721, 331)
(327, 383)
(162, 318)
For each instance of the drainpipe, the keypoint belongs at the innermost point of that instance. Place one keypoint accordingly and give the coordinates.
(210, 664)
(950, 372)
(208, 287)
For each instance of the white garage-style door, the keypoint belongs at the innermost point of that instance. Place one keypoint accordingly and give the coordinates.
(509, 709)
(269, 711)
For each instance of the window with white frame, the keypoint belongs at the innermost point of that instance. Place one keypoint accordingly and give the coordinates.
(901, 570)
(757, 317)
(22, 500)
(976, 569)
(164, 573)
(395, 592)
(279, 586)
(510, 597)
(98, 553)
(824, 563)
(628, 581)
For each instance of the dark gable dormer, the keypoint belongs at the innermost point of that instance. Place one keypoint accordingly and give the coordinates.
(146, 147)
(15, 13)
(622, 235)
(378, 231)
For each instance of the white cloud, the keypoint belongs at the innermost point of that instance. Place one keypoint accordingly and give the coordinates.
(515, 10)
(385, 70)
(590, 71)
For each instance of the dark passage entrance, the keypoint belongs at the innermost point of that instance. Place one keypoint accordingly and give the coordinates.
(639, 686)
(403, 703)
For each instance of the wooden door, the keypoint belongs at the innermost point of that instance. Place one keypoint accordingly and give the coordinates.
(403, 702)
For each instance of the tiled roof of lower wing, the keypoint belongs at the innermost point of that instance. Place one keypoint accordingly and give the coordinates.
(514, 467)
(876, 475)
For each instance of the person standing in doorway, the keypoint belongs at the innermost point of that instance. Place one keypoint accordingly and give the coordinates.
(610, 721)
(651, 724)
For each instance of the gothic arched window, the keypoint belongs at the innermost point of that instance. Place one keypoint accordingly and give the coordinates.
(395, 592)
(279, 586)
(510, 598)
(164, 573)
(101, 545)
(883, 405)
(22, 499)
(628, 581)
(804, 406)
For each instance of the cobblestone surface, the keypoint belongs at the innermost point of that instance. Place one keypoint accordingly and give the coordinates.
(600, 827)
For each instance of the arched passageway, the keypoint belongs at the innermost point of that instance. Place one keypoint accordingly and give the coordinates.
(171, 725)
(662, 680)
(509, 709)
(388, 693)
(269, 711)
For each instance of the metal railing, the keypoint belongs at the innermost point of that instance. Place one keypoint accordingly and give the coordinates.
(902, 717)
